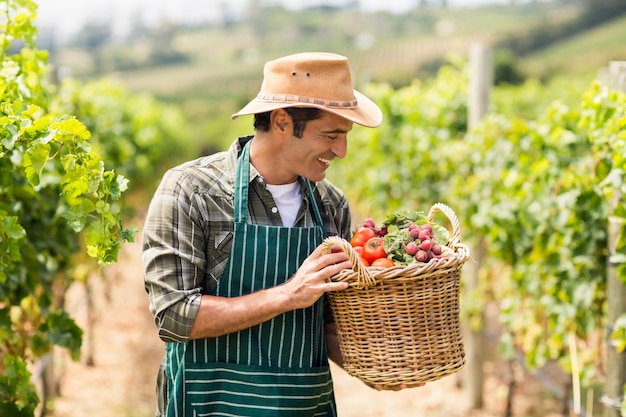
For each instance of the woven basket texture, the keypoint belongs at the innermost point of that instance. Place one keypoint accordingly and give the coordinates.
(400, 325)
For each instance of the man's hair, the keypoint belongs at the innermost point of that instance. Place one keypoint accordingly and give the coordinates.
(299, 115)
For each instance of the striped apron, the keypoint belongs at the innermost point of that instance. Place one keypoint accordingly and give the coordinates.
(277, 368)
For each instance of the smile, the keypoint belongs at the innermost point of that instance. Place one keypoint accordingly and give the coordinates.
(324, 161)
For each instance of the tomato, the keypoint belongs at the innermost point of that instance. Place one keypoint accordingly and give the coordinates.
(383, 263)
(359, 251)
(374, 249)
(361, 236)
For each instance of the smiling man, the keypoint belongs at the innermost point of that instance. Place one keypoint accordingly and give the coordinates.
(231, 252)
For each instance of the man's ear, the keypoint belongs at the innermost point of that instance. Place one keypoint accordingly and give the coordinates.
(279, 119)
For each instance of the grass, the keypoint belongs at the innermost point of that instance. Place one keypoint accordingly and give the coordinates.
(581, 54)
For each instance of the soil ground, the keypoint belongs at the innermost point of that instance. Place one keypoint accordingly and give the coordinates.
(116, 374)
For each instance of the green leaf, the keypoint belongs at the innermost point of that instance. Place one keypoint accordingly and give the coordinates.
(16, 386)
(122, 185)
(9, 141)
(5, 318)
(75, 186)
(442, 235)
(101, 244)
(34, 161)
(72, 127)
(63, 331)
(77, 215)
(128, 235)
(11, 226)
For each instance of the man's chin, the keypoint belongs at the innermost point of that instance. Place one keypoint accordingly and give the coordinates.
(316, 178)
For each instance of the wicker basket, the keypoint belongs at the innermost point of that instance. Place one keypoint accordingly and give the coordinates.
(400, 325)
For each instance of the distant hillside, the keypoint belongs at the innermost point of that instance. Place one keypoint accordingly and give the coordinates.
(584, 53)
(273, 31)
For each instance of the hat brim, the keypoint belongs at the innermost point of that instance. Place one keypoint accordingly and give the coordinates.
(367, 113)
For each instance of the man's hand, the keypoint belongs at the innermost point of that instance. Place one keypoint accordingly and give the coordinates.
(310, 281)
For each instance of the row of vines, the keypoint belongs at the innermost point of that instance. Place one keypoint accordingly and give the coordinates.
(67, 155)
(532, 185)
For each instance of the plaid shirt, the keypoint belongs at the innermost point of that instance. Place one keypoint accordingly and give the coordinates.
(187, 236)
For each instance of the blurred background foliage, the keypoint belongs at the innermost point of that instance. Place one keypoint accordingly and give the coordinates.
(209, 71)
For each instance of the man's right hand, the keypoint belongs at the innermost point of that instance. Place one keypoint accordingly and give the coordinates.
(311, 280)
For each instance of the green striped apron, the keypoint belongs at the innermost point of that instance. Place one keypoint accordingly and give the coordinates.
(277, 368)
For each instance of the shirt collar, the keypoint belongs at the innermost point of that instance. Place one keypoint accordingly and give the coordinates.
(235, 152)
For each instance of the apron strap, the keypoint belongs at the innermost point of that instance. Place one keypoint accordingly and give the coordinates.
(318, 216)
(242, 179)
(241, 189)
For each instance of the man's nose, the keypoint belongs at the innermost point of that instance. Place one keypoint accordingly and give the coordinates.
(340, 147)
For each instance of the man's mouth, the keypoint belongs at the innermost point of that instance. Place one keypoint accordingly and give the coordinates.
(324, 161)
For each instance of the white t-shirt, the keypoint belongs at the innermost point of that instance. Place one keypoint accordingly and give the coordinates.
(288, 198)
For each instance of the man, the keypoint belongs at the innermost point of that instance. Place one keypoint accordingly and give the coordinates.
(233, 267)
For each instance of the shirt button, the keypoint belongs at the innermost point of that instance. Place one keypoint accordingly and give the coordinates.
(274, 210)
(261, 180)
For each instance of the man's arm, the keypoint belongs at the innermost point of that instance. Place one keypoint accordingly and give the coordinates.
(332, 344)
(222, 315)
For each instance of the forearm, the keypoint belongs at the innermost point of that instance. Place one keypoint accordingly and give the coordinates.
(222, 315)
(332, 344)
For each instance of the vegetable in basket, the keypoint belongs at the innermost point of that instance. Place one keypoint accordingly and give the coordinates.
(407, 237)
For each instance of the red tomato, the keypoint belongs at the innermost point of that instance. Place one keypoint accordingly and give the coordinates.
(374, 249)
(361, 236)
(359, 251)
(383, 263)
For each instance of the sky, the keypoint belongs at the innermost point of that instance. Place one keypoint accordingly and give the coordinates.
(68, 16)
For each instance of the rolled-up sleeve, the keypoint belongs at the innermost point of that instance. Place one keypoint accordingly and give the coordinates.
(173, 257)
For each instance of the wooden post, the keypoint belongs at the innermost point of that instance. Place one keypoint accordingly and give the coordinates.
(481, 81)
(616, 290)
(617, 75)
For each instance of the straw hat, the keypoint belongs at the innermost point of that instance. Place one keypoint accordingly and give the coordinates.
(313, 79)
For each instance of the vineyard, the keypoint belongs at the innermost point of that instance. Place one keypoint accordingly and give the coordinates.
(537, 196)
(538, 185)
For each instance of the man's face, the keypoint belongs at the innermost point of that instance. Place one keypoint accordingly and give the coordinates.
(322, 141)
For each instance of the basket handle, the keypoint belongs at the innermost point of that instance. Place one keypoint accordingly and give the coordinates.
(456, 228)
(364, 278)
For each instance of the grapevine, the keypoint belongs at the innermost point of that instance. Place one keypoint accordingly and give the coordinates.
(532, 187)
(58, 197)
